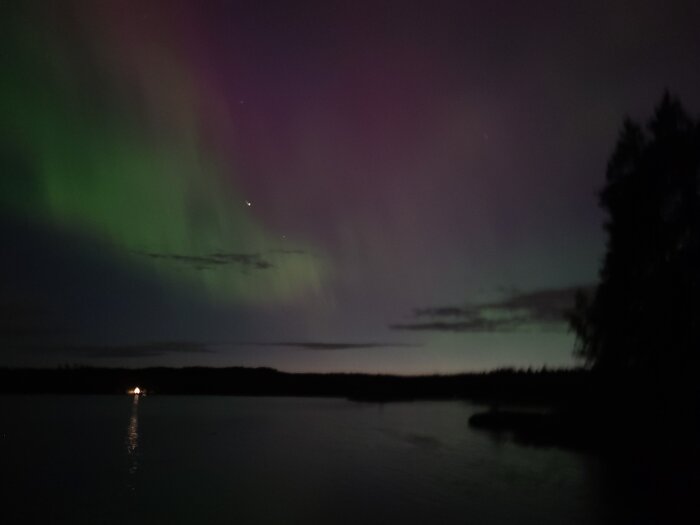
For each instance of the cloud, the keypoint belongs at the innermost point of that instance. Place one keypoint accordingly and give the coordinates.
(445, 311)
(313, 345)
(289, 252)
(549, 305)
(151, 349)
(471, 325)
(162, 348)
(213, 260)
(543, 310)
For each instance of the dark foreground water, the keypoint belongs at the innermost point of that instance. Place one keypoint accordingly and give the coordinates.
(119, 460)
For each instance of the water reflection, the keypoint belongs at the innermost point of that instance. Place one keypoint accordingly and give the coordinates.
(132, 436)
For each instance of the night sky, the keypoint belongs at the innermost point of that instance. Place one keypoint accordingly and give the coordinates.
(403, 187)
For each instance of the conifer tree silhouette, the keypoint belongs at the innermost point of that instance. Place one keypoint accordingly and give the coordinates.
(644, 315)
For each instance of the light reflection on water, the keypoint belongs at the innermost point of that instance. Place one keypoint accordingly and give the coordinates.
(132, 436)
(220, 460)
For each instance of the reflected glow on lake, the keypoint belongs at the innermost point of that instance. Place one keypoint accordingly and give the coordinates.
(132, 435)
(225, 460)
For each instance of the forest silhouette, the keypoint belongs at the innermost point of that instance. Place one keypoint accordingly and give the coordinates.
(643, 317)
(640, 329)
(638, 332)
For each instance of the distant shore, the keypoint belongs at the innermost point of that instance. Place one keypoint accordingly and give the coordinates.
(563, 407)
(519, 387)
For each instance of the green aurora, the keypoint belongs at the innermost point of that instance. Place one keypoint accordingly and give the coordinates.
(138, 177)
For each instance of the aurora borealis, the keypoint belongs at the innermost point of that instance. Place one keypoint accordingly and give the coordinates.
(389, 186)
(122, 163)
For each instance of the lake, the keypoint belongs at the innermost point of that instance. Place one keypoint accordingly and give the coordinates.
(178, 459)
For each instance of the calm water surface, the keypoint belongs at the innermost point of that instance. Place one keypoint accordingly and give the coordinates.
(102, 459)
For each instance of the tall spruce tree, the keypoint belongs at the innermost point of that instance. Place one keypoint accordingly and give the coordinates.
(645, 313)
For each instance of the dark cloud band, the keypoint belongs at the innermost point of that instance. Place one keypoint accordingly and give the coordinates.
(543, 309)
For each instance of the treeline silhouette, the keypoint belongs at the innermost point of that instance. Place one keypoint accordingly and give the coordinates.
(639, 332)
(644, 317)
(506, 386)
